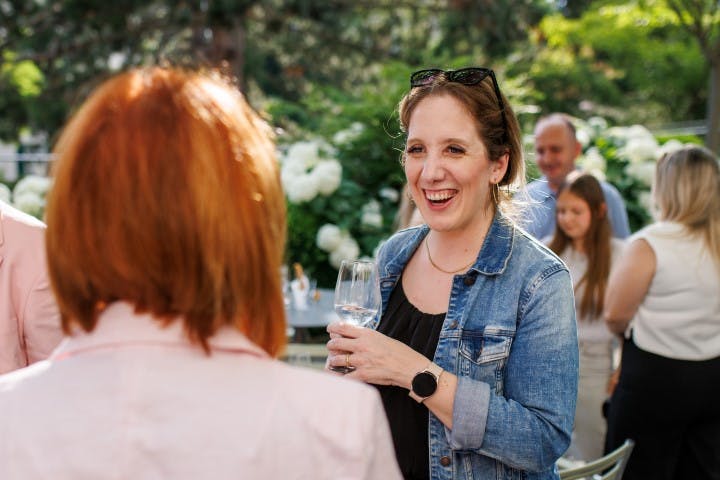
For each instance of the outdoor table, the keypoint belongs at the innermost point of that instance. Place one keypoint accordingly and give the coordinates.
(302, 349)
(319, 312)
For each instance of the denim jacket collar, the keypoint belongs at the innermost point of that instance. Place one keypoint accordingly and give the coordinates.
(492, 259)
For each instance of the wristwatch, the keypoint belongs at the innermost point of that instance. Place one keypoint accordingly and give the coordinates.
(425, 383)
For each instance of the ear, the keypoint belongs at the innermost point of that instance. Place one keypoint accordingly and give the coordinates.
(578, 148)
(499, 167)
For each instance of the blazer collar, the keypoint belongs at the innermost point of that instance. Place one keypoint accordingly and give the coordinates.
(120, 326)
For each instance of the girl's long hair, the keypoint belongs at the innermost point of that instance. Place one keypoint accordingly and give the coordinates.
(596, 243)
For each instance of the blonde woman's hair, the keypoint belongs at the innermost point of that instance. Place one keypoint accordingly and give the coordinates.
(687, 191)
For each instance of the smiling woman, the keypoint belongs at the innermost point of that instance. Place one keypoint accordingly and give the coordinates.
(461, 402)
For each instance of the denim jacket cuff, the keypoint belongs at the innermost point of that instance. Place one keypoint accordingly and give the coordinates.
(470, 410)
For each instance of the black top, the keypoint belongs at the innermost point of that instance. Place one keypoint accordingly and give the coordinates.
(409, 419)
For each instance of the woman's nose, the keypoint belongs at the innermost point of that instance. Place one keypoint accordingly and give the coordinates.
(433, 168)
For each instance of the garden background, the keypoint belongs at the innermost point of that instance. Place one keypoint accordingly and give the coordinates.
(640, 77)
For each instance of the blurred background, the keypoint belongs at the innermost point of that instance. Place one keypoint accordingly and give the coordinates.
(639, 77)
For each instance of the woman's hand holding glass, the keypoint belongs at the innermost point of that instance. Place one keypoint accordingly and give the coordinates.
(357, 298)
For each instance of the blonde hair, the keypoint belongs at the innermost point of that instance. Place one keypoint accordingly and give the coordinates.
(687, 191)
(167, 195)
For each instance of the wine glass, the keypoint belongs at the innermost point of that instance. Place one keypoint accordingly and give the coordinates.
(357, 295)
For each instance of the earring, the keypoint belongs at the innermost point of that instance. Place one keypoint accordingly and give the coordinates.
(495, 190)
(409, 197)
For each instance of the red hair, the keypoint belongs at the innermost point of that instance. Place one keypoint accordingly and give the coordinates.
(167, 195)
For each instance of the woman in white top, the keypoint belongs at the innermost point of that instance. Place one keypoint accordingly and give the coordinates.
(583, 240)
(665, 297)
(166, 226)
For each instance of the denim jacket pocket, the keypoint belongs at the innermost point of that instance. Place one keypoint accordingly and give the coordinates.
(489, 345)
(483, 355)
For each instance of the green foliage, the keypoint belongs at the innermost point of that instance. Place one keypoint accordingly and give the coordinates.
(21, 82)
(370, 158)
(630, 62)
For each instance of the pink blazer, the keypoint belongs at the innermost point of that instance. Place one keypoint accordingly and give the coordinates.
(29, 319)
(136, 400)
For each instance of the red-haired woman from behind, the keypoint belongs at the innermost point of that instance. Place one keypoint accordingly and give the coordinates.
(166, 227)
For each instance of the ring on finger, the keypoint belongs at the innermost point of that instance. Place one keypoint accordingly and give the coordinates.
(347, 360)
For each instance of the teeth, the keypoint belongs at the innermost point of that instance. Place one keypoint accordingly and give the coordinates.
(440, 196)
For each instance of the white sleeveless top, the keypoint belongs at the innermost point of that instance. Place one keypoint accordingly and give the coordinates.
(680, 315)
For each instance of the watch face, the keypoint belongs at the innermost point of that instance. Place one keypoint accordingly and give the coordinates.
(424, 384)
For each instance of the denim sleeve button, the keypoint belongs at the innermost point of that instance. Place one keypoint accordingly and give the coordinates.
(454, 324)
(445, 461)
(469, 280)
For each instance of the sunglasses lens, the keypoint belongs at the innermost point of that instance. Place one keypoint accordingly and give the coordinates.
(424, 77)
(469, 76)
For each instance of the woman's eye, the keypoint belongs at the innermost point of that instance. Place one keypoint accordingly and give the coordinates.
(456, 150)
(414, 149)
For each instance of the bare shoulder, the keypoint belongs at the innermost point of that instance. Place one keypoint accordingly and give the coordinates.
(639, 252)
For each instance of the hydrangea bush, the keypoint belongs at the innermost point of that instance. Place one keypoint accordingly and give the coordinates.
(332, 214)
(28, 194)
(626, 157)
(340, 165)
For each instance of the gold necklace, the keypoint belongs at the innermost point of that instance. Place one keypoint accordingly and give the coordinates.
(453, 272)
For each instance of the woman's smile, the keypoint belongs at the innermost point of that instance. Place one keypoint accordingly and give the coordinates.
(440, 198)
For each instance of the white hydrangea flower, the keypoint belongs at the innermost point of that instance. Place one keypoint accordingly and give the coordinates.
(294, 166)
(305, 172)
(638, 131)
(597, 124)
(640, 149)
(349, 134)
(347, 250)
(29, 202)
(619, 133)
(301, 189)
(583, 136)
(389, 194)
(371, 215)
(371, 206)
(669, 146)
(328, 175)
(36, 184)
(644, 172)
(372, 219)
(593, 161)
(328, 237)
(4, 193)
(305, 153)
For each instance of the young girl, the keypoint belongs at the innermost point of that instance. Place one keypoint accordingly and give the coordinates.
(583, 241)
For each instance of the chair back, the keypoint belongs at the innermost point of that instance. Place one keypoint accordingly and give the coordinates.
(608, 467)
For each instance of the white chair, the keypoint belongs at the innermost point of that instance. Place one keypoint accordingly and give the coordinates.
(608, 467)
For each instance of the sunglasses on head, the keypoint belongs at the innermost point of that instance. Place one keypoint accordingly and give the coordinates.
(465, 76)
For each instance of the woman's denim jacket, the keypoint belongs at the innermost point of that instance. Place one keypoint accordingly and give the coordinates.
(510, 337)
